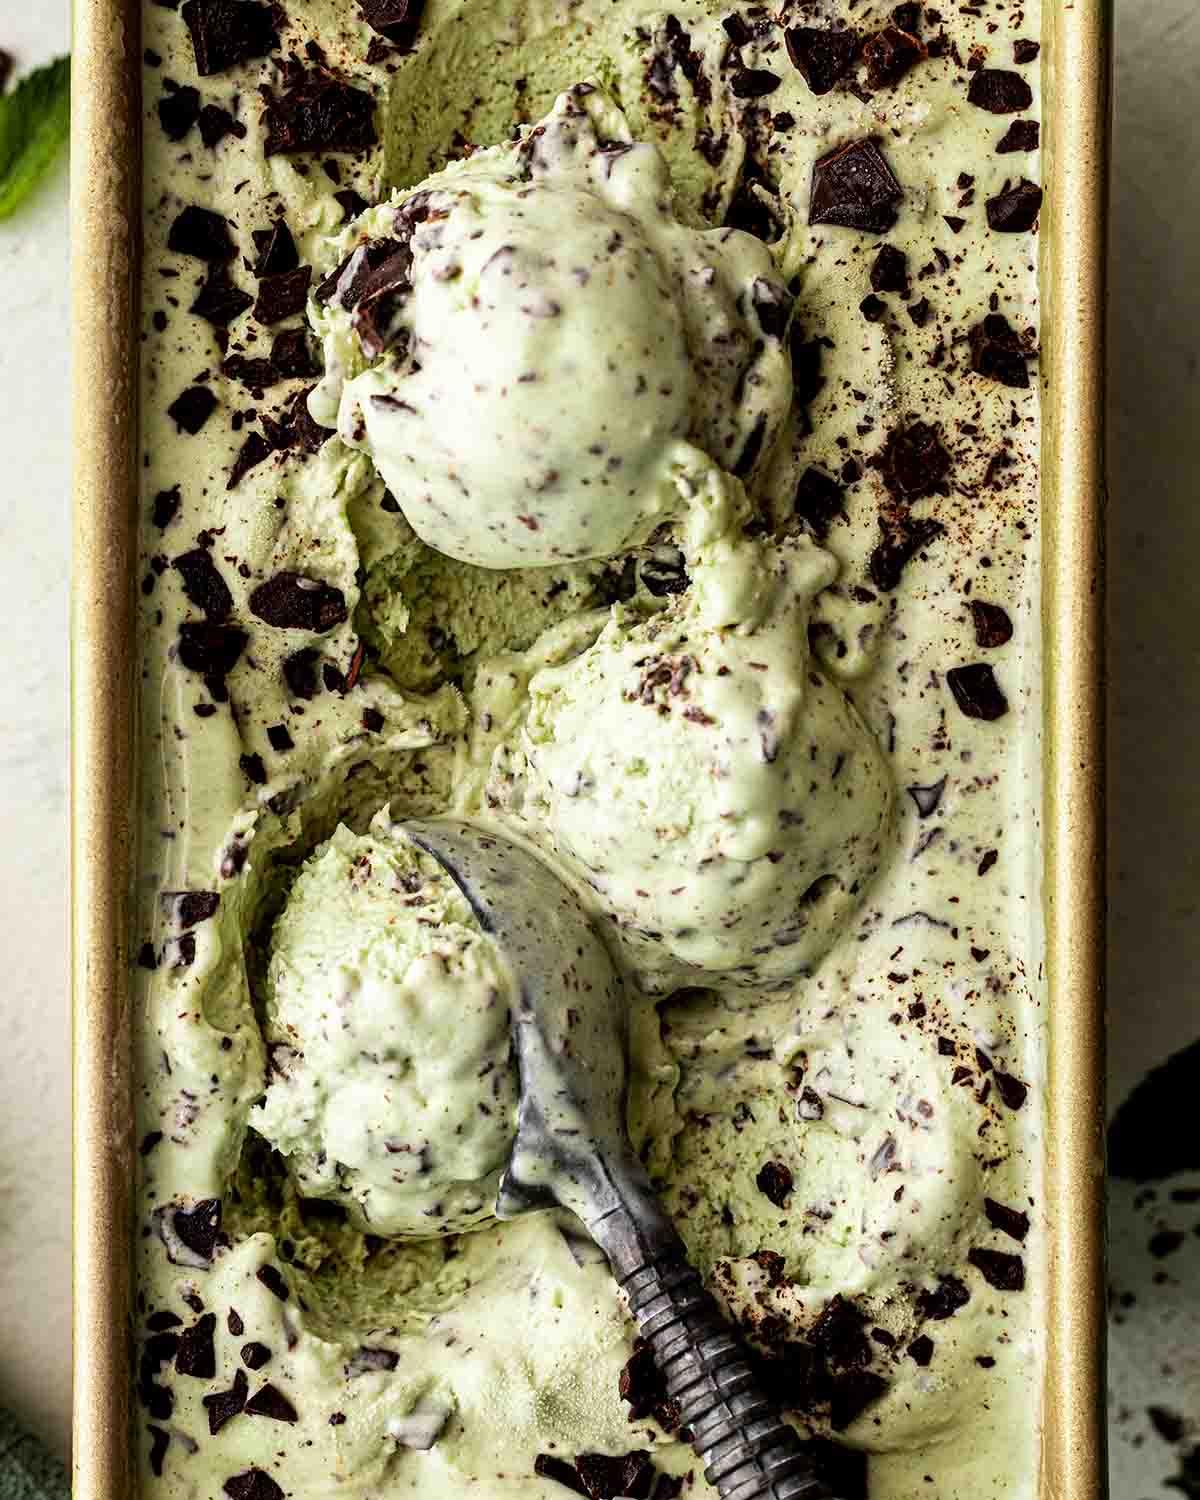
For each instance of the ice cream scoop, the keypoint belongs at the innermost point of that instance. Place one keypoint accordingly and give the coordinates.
(571, 1149)
(538, 353)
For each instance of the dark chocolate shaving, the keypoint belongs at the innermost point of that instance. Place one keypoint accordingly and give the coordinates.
(255, 1355)
(944, 1301)
(1011, 1090)
(217, 123)
(753, 83)
(889, 271)
(774, 1181)
(921, 1350)
(212, 650)
(178, 112)
(254, 1484)
(999, 352)
(912, 462)
(196, 1355)
(889, 55)
(902, 537)
(253, 452)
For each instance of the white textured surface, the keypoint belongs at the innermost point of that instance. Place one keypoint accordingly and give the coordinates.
(1156, 660)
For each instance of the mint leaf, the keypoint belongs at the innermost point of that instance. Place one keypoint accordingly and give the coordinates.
(35, 120)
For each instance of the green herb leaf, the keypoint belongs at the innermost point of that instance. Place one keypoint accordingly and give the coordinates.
(35, 120)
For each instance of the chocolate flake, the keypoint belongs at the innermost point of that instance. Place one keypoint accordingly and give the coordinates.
(223, 1406)
(854, 187)
(196, 1355)
(202, 233)
(227, 32)
(774, 1181)
(1000, 91)
(822, 57)
(253, 452)
(178, 112)
(1011, 1090)
(276, 248)
(1003, 1271)
(1010, 1221)
(253, 1484)
(203, 584)
(282, 296)
(320, 113)
(992, 625)
(1021, 135)
(269, 1401)
(192, 408)
(290, 601)
(1015, 210)
(889, 55)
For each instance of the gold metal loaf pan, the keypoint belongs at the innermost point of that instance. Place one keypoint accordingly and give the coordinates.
(105, 186)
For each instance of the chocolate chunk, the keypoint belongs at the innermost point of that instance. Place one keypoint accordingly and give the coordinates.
(210, 649)
(643, 1386)
(998, 352)
(1021, 135)
(198, 1227)
(203, 584)
(1153, 1134)
(378, 296)
(1169, 1425)
(754, 83)
(216, 123)
(276, 248)
(839, 1334)
(977, 692)
(253, 769)
(290, 601)
(255, 1355)
(272, 1278)
(928, 799)
(605, 1478)
(280, 740)
(919, 312)
(397, 20)
(292, 356)
(282, 296)
(292, 429)
(889, 272)
(165, 505)
(752, 214)
(202, 233)
(823, 57)
(271, 1402)
(256, 374)
(1024, 50)
(957, 224)
(178, 112)
(819, 501)
(853, 1392)
(992, 624)
(842, 1470)
(872, 308)
(192, 408)
(300, 673)
(913, 462)
(320, 113)
(901, 538)
(194, 907)
(988, 860)
(160, 1441)
(196, 1355)
(738, 30)
(227, 32)
(749, 455)
(921, 1350)
(254, 1484)
(253, 452)
(547, 1466)
(774, 1181)
(773, 307)
(853, 186)
(234, 1322)
(352, 203)
(1016, 209)
(1005, 1272)
(889, 55)
(999, 91)
(223, 1406)
(1011, 1090)
(1010, 1221)
(220, 300)
(908, 16)
(944, 1301)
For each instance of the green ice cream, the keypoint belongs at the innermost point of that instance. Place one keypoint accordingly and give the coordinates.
(392, 1088)
(555, 353)
(721, 796)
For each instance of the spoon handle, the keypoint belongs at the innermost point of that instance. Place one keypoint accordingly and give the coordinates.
(749, 1452)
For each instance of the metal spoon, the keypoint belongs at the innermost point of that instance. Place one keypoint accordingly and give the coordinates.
(572, 1151)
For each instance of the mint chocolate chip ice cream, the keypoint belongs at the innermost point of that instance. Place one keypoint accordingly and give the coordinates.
(551, 352)
(392, 1088)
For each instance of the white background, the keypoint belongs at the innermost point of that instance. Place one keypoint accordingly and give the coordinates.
(1155, 587)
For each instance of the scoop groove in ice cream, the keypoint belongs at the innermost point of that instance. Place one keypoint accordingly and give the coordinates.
(393, 1090)
(552, 353)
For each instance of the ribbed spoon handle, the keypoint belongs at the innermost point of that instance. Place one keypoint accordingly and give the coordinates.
(749, 1452)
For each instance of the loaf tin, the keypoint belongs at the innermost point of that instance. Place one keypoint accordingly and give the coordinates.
(105, 208)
